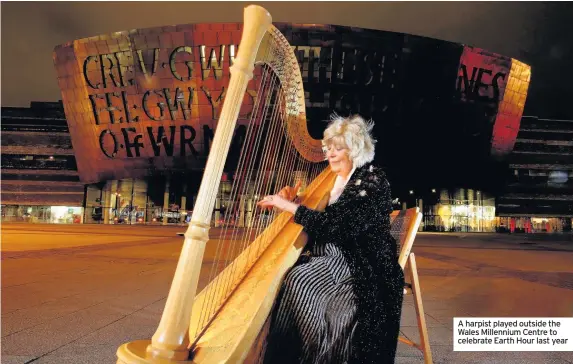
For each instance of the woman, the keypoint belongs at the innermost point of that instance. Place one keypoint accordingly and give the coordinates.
(342, 301)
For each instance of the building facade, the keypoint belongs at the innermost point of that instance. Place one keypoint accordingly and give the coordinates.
(539, 193)
(40, 181)
(141, 107)
(456, 210)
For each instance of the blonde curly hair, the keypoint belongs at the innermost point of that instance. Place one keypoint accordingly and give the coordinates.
(353, 133)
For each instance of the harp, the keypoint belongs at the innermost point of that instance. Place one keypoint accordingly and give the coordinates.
(225, 321)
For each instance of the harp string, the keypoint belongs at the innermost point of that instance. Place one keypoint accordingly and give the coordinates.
(287, 165)
(219, 264)
(262, 163)
(267, 137)
(268, 161)
(235, 205)
(265, 181)
(280, 165)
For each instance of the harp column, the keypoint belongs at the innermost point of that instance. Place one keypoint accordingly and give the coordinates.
(170, 342)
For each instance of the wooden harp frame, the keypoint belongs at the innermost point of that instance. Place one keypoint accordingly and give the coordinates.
(240, 319)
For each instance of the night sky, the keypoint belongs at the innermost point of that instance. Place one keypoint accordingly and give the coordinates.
(539, 34)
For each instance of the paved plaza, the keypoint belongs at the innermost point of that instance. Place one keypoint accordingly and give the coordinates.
(73, 294)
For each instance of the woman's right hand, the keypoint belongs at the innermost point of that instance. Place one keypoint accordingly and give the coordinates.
(288, 192)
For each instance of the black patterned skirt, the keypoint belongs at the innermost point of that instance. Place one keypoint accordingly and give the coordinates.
(315, 313)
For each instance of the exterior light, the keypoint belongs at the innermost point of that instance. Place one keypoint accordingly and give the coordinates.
(433, 190)
(411, 192)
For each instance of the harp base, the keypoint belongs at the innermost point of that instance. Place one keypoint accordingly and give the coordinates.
(136, 352)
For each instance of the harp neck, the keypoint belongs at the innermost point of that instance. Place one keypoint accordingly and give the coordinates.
(257, 22)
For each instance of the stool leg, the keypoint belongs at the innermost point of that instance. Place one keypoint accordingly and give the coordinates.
(417, 292)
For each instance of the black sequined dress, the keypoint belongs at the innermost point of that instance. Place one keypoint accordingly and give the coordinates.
(341, 302)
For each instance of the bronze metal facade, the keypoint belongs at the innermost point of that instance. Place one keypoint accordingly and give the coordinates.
(145, 101)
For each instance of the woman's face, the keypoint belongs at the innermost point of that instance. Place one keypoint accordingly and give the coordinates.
(337, 156)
